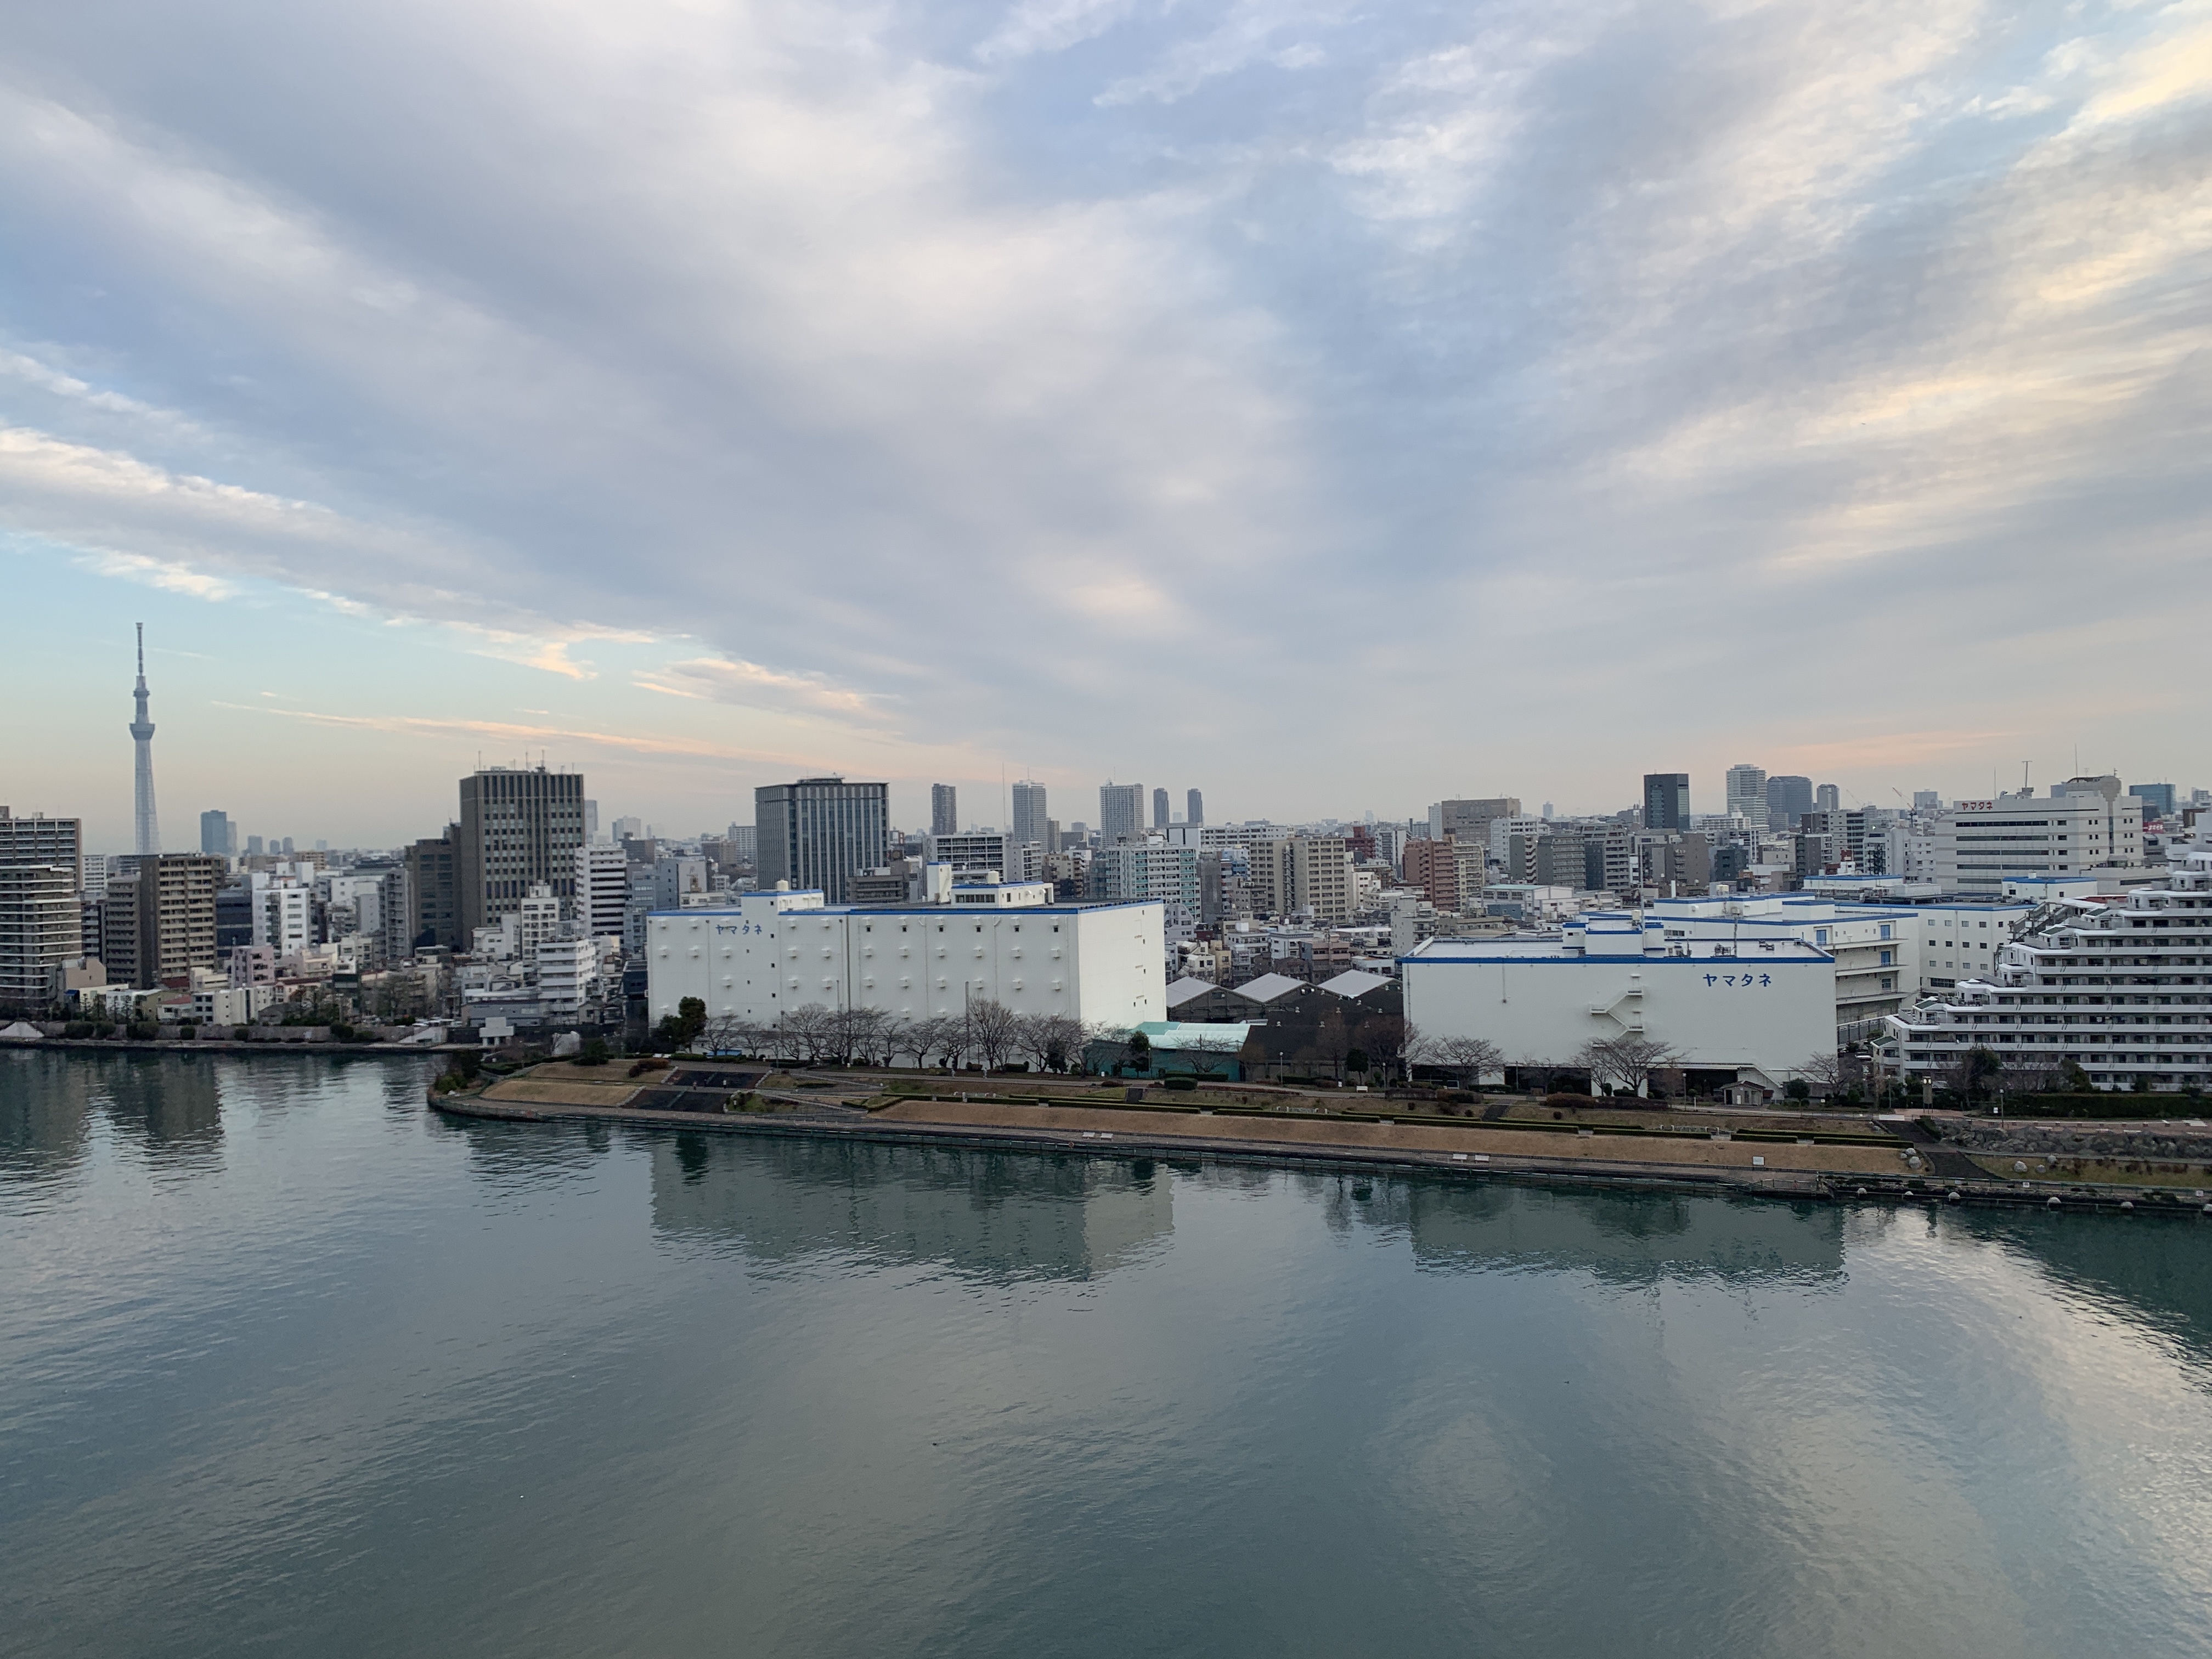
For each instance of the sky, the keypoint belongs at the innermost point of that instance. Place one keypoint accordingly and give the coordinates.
(1333, 408)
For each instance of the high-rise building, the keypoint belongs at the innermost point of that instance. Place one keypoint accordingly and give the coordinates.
(629, 829)
(1927, 801)
(1746, 795)
(1978, 845)
(1194, 808)
(943, 809)
(40, 928)
(518, 826)
(1788, 799)
(1828, 799)
(1665, 800)
(41, 840)
(433, 900)
(149, 827)
(1121, 813)
(820, 833)
(2157, 799)
(591, 820)
(1160, 814)
(218, 834)
(159, 922)
(1030, 818)
(253, 847)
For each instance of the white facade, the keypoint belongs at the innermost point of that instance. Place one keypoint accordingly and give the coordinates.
(602, 898)
(283, 914)
(2121, 988)
(1746, 795)
(1767, 1005)
(567, 974)
(534, 921)
(1979, 844)
(220, 1004)
(40, 927)
(1101, 964)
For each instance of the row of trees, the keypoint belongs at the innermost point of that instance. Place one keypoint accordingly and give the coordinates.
(988, 1034)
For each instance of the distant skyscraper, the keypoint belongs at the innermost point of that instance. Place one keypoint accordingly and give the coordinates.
(1747, 794)
(591, 820)
(1159, 809)
(520, 825)
(820, 833)
(1121, 813)
(943, 809)
(1195, 808)
(1029, 815)
(1926, 800)
(629, 829)
(1665, 800)
(1788, 799)
(218, 834)
(253, 847)
(1828, 799)
(142, 735)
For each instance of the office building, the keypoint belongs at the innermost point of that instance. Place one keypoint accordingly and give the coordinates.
(218, 834)
(978, 850)
(518, 826)
(943, 809)
(158, 923)
(629, 829)
(57, 841)
(1926, 800)
(1160, 814)
(602, 897)
(1030, 818)
(432, 895)
(40, 929)
(679, 880)
(819, 833)
(1746, 795)
(2118, 986)
(778, 951)
(1121, 813)
(1470, 820)
(2082, 825)
(1828, 799)
(1194, 807)
(1730, 1010)
(2157, 799)
(1665, 800)
(1788, 799)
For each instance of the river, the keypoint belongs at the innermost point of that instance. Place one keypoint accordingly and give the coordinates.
(289, 1364)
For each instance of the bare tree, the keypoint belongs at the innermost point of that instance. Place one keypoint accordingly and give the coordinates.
(1390, 1042)
(920, 1037)
(1051, 1042)
(993, 1031)
(1828, 1071)
(731, 1034)
(1627, 1062)
(1466, 1057)
(805, 1031)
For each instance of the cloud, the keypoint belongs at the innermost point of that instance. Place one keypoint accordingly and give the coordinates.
(1096, 380)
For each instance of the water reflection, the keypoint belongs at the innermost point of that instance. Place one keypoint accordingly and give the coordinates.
(46, 1113)
(1000, 1215)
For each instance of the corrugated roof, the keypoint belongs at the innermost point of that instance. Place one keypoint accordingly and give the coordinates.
(1269, 987)
(1354, 983)
(1188, 987)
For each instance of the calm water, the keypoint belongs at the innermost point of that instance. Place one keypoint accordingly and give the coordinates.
(287, 1363)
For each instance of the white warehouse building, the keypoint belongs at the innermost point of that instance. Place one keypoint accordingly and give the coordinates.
(1757, 1007)
(1100, 963)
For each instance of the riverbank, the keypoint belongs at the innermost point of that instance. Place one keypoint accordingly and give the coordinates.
(1883, 1165)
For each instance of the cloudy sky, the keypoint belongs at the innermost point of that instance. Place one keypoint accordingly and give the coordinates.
(1331, 406)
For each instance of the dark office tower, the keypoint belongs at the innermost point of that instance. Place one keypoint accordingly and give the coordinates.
(520, 825)
(218, 835)
(1828, 799)
(1788, 799)
(431, 911)
(943, 809)
(1159, 809)
(159, 922)
(820, 833)
(1030, 818)
(1195, 808)
(1665, 800)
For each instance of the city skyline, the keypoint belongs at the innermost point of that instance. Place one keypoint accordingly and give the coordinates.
(264, 799)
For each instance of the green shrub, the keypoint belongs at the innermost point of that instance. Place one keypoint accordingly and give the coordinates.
(1181, 1085)
(595, 1052)
(78, 1028)
(138, 1032)
(342, 1034)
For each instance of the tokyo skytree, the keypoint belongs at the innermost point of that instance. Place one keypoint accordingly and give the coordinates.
(141, 732)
